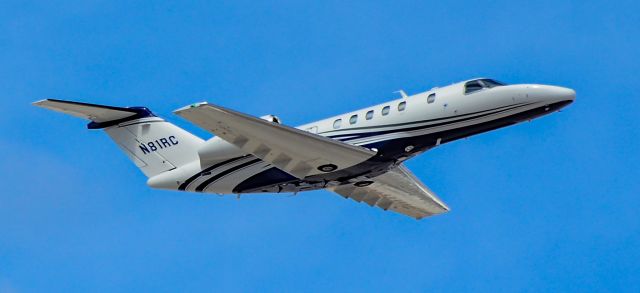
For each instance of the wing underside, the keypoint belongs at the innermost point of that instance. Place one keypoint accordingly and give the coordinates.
(397, 190)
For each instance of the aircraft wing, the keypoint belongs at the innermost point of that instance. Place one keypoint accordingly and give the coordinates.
(397, 190)
(294, 151)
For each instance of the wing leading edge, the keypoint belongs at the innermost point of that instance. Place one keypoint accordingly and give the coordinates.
(397, 190)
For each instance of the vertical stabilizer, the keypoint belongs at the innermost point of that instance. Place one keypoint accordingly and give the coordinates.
(153, 144)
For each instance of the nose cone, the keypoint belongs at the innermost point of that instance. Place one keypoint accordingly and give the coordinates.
(552, 94)
(562, 94)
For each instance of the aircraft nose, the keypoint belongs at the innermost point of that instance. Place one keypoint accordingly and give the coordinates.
(563, 93)
(552, 94)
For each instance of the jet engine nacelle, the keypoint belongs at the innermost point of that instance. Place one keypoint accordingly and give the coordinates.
(217, 149)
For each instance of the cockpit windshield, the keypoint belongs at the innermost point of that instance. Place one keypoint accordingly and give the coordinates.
(479, 84)
(490, 83)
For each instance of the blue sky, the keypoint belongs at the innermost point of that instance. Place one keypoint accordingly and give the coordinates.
(550, 205)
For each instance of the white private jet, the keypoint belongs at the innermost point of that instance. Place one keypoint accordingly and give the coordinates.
(358, 155)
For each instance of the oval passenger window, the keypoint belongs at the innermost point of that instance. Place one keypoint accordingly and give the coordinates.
(369, 115)
(336, 124)
(385, 110)
(402, 106)
(431, 98)
(353, 119)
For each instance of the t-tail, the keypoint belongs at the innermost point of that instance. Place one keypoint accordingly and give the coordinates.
(153, 144)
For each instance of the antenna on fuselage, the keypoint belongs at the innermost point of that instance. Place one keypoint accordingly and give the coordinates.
(402, 93)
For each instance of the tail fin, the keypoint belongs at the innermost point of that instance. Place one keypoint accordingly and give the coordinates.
(153, 144)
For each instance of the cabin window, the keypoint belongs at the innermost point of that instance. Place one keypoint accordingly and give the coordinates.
(472, 86)
(431, 98)
(353, 119)
(369, 115)
(336, 124)
(385, 110)
(402, 106)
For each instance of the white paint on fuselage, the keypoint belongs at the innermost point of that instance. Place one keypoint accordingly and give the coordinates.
(450, 101)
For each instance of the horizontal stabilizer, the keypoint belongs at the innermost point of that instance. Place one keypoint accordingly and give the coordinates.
(101, 116)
